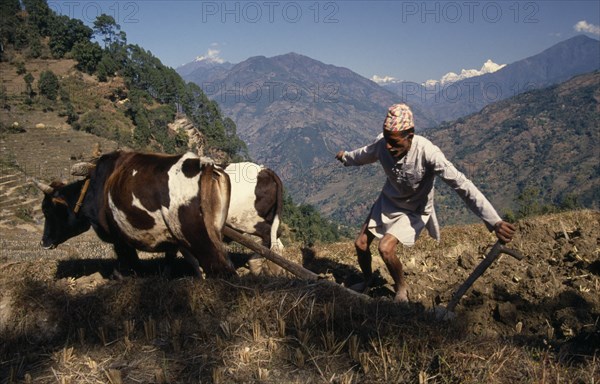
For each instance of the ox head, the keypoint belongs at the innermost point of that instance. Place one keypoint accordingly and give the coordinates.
(61, 222)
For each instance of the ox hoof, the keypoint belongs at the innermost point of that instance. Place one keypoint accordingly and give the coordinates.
(50, 246)
(256, 265)
(272, 269)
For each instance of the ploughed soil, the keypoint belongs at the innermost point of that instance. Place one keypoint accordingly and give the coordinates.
(65, 316)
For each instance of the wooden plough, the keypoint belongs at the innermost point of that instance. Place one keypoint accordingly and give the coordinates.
(305, 274)
(288, 265)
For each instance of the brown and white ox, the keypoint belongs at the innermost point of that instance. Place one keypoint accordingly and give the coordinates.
(147, 202)
(255, 209)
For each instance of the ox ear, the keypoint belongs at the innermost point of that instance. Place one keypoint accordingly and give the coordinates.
(82, 169)
(48, 190)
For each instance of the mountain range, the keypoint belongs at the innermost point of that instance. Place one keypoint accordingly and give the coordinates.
(295, 113)
(450, 99)
(543, 142)
(452, 96)
(451, 77)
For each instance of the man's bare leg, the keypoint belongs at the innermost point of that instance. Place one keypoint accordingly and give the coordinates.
(387, 249)
(362, 245)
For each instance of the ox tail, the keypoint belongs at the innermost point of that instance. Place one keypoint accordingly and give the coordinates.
(275, 242)
(215, 194)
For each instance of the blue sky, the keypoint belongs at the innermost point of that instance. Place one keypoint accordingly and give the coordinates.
(406, 40)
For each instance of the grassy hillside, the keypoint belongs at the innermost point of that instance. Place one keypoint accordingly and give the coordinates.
(119, 91)
(56, 80)
(534, 152)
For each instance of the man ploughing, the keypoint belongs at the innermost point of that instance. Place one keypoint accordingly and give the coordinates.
(405, 205)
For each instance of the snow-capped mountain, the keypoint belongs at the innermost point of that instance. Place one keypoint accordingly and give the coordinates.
(451, 77)
(204, 67)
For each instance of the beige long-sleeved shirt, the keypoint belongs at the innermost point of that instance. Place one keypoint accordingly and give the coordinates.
(410, 181)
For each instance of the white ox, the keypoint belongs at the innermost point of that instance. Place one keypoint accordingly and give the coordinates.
(255, 208)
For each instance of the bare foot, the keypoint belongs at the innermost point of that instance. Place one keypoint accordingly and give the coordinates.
(401, 295)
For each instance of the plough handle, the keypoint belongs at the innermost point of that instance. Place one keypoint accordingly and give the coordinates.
(497, 249)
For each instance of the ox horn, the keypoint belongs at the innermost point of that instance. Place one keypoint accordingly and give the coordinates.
(82, 169)
(43, 187)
